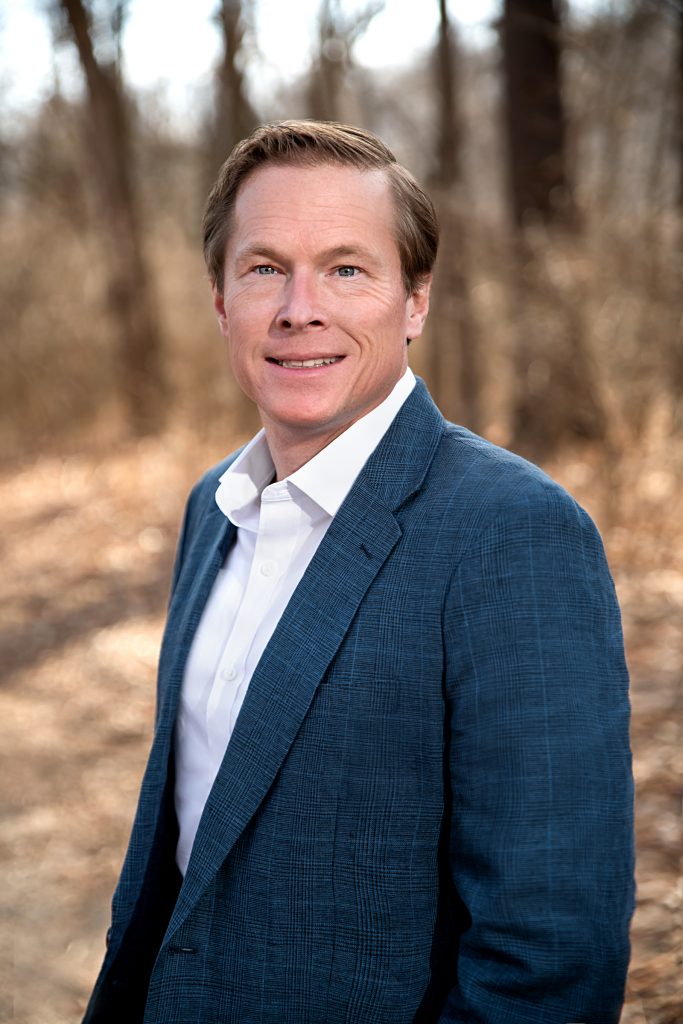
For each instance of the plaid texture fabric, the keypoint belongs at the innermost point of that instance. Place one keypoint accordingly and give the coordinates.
(424, 813)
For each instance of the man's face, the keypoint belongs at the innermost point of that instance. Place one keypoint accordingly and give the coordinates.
(313, 277)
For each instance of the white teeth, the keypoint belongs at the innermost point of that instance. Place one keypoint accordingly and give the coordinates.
(295, 363)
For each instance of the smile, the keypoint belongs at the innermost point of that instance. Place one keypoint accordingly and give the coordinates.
(298, 363)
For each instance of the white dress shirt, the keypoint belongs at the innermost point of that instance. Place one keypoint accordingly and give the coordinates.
(279, 527)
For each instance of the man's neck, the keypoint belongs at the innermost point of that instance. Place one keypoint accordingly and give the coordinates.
(291, 447)
(290, 453)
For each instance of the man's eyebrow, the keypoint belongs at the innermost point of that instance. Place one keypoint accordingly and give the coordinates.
(339, 252)
(336, 252)
(257, 251)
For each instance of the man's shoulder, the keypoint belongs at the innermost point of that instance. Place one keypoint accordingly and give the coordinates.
(474, 461)
(490, 482)
(480, 499)
(462, 476)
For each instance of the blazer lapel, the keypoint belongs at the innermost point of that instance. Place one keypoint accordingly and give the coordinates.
(358, 542)
(201, 565)
(202, 562)
(285, 681)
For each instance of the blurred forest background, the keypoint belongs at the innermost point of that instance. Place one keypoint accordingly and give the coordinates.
(554, 151)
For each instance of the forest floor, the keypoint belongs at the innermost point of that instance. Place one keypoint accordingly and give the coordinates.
(87, 542)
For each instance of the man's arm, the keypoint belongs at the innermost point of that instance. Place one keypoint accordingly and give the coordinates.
(541, 838)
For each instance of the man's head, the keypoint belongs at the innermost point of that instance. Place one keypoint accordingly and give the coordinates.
(316, 143)
(320, 249)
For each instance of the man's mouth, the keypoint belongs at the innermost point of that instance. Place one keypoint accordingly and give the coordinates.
(295, 364)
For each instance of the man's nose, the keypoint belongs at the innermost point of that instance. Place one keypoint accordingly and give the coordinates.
(302, 305)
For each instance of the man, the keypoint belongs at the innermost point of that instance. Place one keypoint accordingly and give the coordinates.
(390, 777)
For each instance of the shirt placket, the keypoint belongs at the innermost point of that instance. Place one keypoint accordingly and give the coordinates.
(276, 542)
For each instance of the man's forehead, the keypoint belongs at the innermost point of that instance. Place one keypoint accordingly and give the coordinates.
(323, 207)
(293, 178)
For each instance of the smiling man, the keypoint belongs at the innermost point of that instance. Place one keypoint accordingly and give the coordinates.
(313, 304)
(390, 778)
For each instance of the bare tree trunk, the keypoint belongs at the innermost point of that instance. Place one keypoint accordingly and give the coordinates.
(235, 116)
(130, 291)
(328, 70)
(337, 36)
(448, 144)
(680, 110)
(678, 341)
(556, 397)
(535, 119)
(454, 364)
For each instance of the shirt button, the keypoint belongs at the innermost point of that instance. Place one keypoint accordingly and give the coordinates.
(229, 673)
(267, 568)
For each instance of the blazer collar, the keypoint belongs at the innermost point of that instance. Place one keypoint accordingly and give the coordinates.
(400, 462)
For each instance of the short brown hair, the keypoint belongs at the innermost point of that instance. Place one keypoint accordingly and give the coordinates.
(310, 143)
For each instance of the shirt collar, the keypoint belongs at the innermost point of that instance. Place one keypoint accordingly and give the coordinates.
(326, 479)
(240, 487)
(329, 476)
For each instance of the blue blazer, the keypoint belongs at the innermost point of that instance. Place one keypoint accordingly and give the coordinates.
(424, 812)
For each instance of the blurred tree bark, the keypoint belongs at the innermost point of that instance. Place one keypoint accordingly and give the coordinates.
(680, 109)
(235, 118)
(337, 35)
(678, 342)
(455, 375)
(131, 297)
(535, 117)
(557, 395)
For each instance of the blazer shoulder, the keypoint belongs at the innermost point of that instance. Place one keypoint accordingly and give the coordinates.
(492, 485)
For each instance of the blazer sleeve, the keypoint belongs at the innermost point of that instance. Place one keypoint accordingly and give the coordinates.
(540, 770)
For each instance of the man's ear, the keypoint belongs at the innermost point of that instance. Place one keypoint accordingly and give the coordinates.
(417, 308)
(219, 308)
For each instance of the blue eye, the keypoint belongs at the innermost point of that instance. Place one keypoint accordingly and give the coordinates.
(347, 271)
(265, 270)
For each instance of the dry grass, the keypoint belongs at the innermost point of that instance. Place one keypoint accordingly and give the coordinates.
(88, 541)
